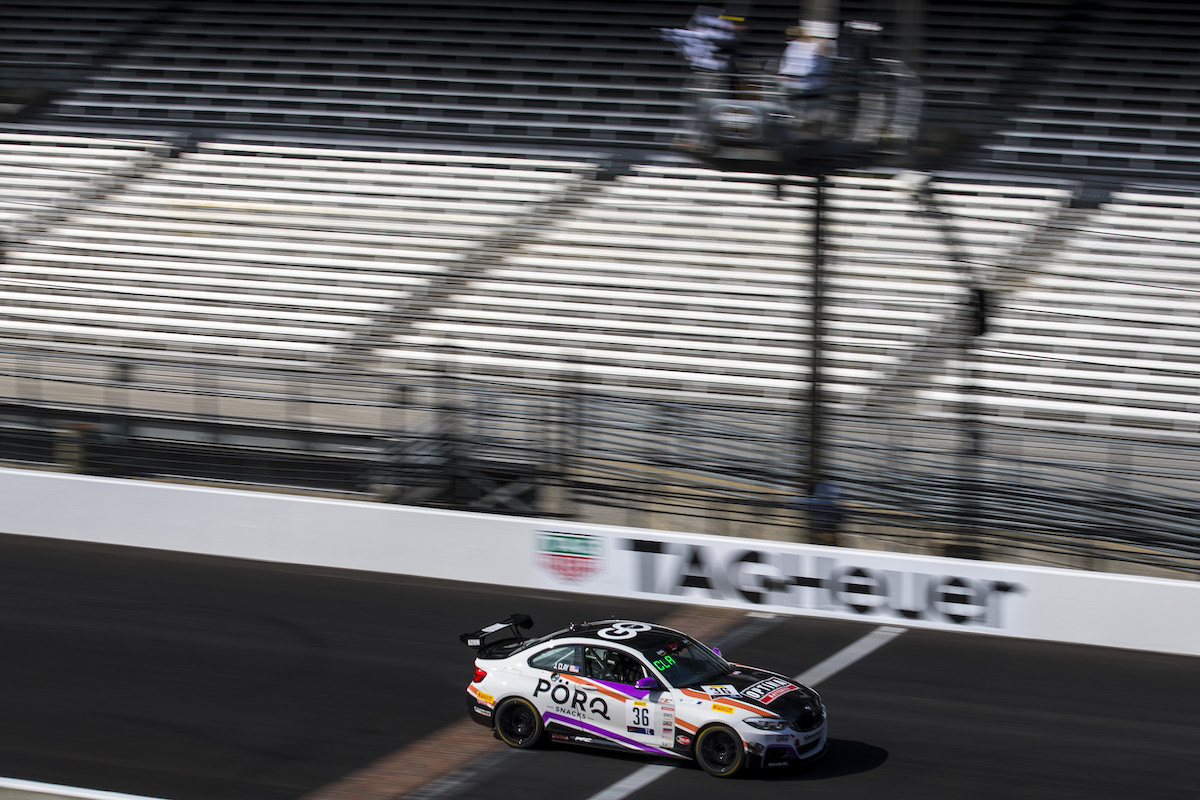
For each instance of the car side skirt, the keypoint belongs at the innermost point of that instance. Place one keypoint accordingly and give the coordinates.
(571, 731)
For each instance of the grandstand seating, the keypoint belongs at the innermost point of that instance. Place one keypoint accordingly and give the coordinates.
(516, 262)
(1119, 100)
(1106, 330)
(547, 71)
(676, 278)
(970, 50)
(254, 251)
(53, 43)
(1049, 85)
(45, 170)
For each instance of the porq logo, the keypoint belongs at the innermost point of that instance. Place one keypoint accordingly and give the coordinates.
(569, 557)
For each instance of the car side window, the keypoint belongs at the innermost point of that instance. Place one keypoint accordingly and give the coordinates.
(564, 658)
(609, 664)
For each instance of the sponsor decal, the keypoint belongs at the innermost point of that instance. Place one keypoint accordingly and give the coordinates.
(683, 740)
(723, 709)
(483, 711)
(639, 717)
(485, 698)
(789, 579)
(622, 630)
(569, 557)
(572, 702)
(770, 690)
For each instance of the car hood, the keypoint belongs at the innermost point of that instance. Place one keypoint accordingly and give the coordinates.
(774, 693)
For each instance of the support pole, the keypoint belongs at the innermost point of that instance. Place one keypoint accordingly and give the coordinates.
(816, 327)
(972, 322)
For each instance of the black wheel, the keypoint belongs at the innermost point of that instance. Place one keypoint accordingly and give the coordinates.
(518, 723)
(719, 751)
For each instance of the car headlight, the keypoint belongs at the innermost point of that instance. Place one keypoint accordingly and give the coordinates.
(766, 723)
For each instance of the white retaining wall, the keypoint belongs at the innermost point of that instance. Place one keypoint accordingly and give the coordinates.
(918, 591)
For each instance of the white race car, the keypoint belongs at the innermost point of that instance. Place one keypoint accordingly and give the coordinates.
(634, 686)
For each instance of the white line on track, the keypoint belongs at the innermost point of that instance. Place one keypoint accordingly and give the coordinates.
(640, 778)
(11, 787)
(837, 662)
(849, 654)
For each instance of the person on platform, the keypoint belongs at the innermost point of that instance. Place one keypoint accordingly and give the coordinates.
(805, 63)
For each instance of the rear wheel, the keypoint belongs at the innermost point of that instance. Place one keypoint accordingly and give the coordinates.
(518, 723)
(719, 751)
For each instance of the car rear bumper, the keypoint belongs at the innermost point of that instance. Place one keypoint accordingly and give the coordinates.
(479, 712)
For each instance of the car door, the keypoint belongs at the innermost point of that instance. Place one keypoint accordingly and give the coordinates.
(641, 716)
(573, 708)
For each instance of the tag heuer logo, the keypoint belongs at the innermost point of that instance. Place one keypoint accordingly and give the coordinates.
(570, 557)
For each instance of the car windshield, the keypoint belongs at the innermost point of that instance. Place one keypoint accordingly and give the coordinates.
(683, 662)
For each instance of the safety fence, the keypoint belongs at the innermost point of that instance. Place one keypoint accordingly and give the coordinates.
(896, 480)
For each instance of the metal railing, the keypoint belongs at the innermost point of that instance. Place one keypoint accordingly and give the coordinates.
(564, 450)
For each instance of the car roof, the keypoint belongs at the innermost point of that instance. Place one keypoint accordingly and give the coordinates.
(651, 637)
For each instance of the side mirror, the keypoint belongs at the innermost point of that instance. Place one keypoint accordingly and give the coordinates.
(646, 683)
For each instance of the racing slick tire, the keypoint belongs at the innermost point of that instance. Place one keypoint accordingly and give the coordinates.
(518, 723)
(719, 751)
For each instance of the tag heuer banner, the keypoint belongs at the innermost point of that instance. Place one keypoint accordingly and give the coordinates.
(785, 578)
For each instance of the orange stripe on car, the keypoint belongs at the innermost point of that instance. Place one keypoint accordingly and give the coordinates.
(762, 712)
(597, 687)
(728, 700)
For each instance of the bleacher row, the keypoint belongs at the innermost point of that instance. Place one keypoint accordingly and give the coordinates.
(1120, 98)
(668, 281)
(1043, 84)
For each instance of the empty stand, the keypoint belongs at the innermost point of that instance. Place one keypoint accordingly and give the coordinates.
(1105, 333)
(240, 250)
(54, 43)
(675, 278)
(1119, 100)
(556, 72)
(47, 170)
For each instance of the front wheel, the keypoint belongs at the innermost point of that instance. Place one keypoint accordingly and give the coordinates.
(518, 723)
(719, 751)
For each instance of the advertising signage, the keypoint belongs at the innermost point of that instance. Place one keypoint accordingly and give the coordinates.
(784, 578)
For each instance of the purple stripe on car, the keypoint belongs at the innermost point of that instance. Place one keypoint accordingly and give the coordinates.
(550, 715)
(624, 688)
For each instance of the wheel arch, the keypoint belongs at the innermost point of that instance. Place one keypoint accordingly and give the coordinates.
(744, 762)
(537, 712)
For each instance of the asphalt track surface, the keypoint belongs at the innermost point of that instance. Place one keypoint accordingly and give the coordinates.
(193, 678)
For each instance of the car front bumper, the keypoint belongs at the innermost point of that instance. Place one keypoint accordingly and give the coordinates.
(788, 750)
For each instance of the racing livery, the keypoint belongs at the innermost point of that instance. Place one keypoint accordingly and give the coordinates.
(634, 686)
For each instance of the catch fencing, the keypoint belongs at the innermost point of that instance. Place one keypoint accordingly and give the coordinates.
(902, 481)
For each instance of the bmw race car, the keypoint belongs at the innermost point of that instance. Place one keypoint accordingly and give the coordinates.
(634, 686)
